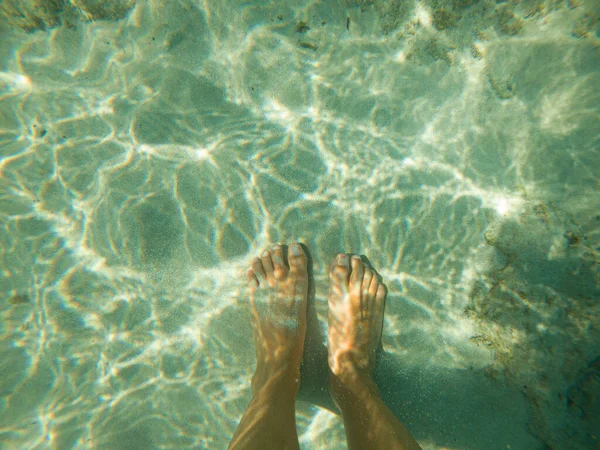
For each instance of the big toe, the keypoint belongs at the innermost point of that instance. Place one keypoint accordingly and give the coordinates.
(339, 273)
(297, 260)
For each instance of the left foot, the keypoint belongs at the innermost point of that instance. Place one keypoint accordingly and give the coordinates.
(278, 298)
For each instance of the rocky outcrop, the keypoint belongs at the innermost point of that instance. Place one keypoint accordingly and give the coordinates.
(34, 15)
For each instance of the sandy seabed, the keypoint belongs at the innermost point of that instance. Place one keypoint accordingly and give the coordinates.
(147, 154)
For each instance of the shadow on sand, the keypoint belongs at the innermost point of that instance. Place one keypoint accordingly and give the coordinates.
(447, 407)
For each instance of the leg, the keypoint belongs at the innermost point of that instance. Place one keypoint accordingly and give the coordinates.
(356, 308)
(278, 297)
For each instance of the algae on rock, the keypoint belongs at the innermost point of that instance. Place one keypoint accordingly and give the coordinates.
(33, 15)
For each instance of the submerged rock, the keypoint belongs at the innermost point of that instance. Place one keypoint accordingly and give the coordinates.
(103, 9)
(33, 15)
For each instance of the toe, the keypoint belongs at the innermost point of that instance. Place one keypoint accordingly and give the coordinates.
(258, 269)
(252, 279)
(267, 263)
(373, 287)
(338, 276)
(366, 282)
(379, 311)
(356, 278)
(297, 259)
(280, 269)
(379, 302)
(340, 270)
(380, 296)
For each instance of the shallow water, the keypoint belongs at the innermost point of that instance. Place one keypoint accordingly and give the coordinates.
(145, 160)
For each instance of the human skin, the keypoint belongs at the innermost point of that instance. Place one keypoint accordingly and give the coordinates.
(278, 301)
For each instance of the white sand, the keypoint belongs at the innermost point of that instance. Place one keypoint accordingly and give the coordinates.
(144, 162)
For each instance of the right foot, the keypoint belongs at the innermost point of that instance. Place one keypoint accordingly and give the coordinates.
(356, 308)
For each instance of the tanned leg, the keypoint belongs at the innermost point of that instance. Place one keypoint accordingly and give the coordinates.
(278, 297)
(356, 308)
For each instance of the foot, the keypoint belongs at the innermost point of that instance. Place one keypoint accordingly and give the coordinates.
(278, 297)
(356, 308)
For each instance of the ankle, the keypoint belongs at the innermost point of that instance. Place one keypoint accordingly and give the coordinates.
(281, 383)
(351, 389)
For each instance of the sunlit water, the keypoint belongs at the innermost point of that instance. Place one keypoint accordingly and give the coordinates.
(145, 161)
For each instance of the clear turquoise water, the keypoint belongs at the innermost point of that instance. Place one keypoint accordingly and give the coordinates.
(145, 161)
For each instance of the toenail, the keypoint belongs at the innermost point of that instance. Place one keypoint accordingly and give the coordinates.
(296, 250)
(265, 254)
(343, 260)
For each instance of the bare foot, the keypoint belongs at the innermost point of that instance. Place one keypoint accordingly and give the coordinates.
(278, 297)
(356, 308)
